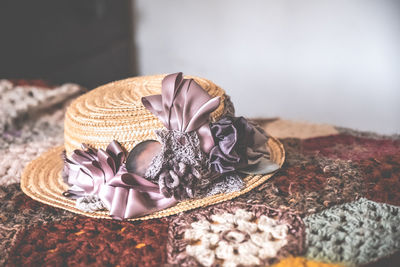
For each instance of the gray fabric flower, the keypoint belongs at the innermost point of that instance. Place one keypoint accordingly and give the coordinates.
(238, 144)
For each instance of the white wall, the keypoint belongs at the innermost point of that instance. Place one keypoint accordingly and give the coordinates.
(333, 61)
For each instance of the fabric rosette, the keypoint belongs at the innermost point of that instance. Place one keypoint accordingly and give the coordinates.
(87, 169)
(100, 173)
(238, 144)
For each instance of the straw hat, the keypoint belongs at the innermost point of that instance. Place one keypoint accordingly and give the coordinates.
(115, 112)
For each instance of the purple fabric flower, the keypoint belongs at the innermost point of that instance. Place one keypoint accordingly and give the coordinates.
(238, 144)
(88, 169)
(103, 174)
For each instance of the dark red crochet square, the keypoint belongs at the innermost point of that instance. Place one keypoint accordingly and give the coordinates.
(91, 242)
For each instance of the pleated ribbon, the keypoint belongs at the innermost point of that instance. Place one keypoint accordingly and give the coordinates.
(102, 173)
(184, 106)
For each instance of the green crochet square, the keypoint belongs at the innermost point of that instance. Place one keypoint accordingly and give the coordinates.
(353, 233)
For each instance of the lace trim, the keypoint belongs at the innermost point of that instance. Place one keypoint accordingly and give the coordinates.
(90, 203)
(181, 168)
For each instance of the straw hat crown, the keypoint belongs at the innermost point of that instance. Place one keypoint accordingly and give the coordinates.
(115, 112)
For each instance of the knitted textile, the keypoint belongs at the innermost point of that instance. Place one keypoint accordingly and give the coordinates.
(49, 124)
(7, 240)
(17, 156)
(353, 233)
(19, 101)
(309, 184)
(234, 233)
(30, 124)
(327, 170)
(382, 177)
(89, 242)
(346, 146)
(18, 211)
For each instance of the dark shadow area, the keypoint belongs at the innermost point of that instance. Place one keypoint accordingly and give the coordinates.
(87, 42)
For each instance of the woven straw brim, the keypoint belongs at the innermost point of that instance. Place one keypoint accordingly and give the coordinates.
(42, 181)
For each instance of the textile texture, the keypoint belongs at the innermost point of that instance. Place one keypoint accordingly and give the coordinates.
(335, 202)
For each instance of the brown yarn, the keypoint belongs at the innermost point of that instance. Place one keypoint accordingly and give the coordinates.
(7, 240)
(34, 82)
(382, 178)
(345, 146)
(309, 184)
(17, 211)
(16, 208)
(91, 242)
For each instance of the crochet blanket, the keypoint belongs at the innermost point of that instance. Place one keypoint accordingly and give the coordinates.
(335, 202)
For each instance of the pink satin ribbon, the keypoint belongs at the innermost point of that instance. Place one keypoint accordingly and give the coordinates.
(103, 173)
(140, 196)
(184, 106)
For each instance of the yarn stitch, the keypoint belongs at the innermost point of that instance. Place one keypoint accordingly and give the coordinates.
(234, 233)
(236, 239)
(353, 233)
(28, 127)
(16, 101)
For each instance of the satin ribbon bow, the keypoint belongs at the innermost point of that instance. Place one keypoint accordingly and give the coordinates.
(89, 168)
(128, 195)
(184, 106)
(102, 173)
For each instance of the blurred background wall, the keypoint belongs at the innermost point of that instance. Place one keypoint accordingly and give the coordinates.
(323, 61)
(83, 41)
(330, 61)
